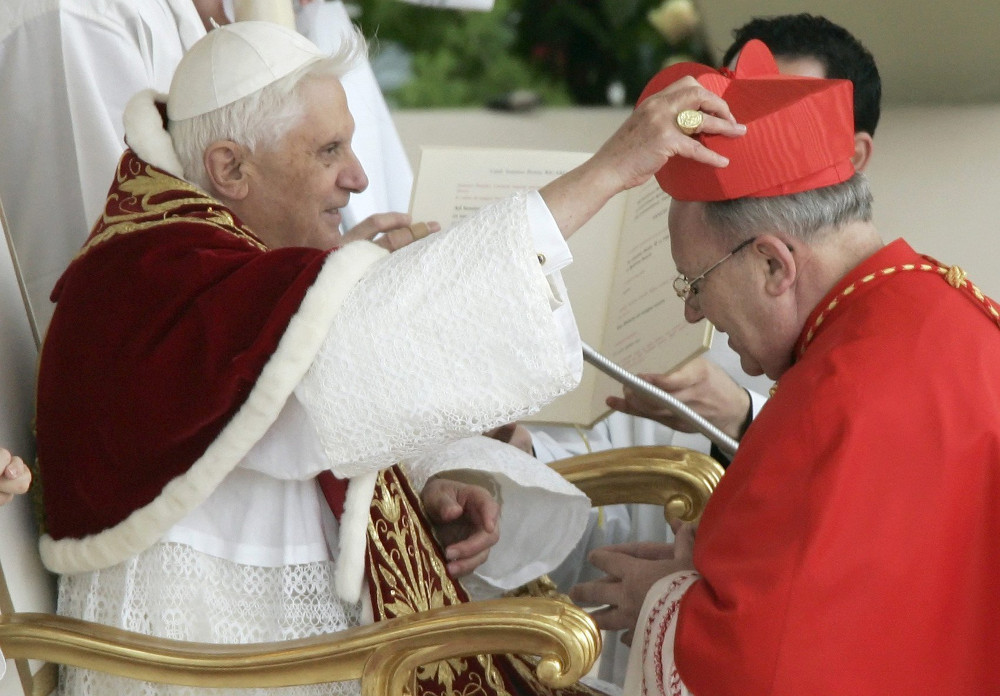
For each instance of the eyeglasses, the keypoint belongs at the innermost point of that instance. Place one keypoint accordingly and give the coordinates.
(687, 290)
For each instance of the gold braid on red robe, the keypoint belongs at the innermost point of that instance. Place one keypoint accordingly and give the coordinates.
(406, 574)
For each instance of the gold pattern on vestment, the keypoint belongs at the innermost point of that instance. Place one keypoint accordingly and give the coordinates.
(407, 574)
(412, 578)
(955, 276)
(145, 197)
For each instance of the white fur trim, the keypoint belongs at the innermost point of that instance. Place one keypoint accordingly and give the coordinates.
(145, 134)
(349, 575)
(292, 358)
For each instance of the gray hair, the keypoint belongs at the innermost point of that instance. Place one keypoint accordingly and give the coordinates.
(804, 215)
(260, 119)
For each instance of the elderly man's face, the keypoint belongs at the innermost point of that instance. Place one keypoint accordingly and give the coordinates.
(732, 296)
(300, 184)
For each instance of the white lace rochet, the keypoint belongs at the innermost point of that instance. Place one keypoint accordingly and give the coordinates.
(175, 592)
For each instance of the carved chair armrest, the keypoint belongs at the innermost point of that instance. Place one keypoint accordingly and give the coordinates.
(383, 655)
(679, 479)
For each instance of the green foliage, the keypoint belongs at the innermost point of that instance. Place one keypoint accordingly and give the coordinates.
(566, 51)
(459, 58)
(592, 44)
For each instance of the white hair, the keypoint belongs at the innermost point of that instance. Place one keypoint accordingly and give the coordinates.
(804, 215)
(260, 119)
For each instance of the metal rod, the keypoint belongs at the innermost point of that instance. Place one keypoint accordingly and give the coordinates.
(725, 443)
(20, 279)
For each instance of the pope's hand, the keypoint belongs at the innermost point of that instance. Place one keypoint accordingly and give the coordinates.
(651, 136)
(638, 149)
(396, 229)
(466, 519)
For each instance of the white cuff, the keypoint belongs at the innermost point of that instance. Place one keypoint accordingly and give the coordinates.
(553, 252)
(543, 515)
(757, 402)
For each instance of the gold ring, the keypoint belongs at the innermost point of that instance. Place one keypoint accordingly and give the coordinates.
(419, 230)
(689, 121)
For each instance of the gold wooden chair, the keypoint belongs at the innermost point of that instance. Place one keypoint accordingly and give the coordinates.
(676, 478)
(679, 479)
(383, 656)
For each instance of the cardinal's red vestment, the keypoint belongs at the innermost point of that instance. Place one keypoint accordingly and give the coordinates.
(851, 547)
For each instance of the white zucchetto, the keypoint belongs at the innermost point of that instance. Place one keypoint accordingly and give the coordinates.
(234, 61)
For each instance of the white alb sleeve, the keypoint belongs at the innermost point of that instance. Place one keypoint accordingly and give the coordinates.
(446, 338)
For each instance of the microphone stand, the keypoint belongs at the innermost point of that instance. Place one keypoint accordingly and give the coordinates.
(725, 443)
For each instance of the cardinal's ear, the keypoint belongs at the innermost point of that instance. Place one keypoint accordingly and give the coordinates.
(780, 264)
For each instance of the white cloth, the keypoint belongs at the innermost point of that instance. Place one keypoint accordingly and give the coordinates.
(490, 349)
(173, 591)
(274, 481)
(651, 666)
(617, 524)
(67, 68)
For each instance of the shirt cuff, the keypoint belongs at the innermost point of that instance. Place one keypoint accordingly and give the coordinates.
(757, 402)
(553, 252)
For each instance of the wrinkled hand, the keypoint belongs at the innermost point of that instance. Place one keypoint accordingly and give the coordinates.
(466, 519)
(637, 150)
(397, 230)
(702, 385)
(15, 476)
(631, 570)
(513, 434)
(651, 136)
